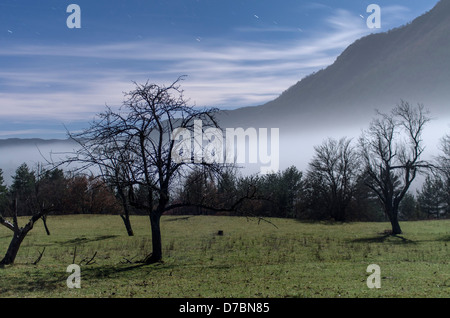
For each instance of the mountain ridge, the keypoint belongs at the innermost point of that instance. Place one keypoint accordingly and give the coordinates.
(411, 63)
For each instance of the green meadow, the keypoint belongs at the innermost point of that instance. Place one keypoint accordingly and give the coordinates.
(253, 258)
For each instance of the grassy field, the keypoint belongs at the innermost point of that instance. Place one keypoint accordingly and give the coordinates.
(251, 259)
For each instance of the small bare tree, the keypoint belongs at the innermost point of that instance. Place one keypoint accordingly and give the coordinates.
(27, 194)
(334, 170)
(391, 151)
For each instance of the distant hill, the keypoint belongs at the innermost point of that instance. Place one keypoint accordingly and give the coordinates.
(17, 142)
(377, 71)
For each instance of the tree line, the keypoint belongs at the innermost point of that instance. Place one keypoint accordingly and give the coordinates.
(306, 196)
(318, 194)
(132, 151)
(56, 190)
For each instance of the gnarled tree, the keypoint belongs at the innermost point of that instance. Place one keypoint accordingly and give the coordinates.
(135, 148)
(391, 150)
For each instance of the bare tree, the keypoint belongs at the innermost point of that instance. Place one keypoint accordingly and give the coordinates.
(135, 147)
(27, 194)
(119, 180)
(333, 171)
(444, 168)
(444, 158)
(117, 170)
(391, 150)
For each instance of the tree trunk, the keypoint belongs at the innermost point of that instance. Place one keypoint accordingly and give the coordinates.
(13, 248)
(17, 239)
(126, 221)
(44, 219)
(126, 216)
(392, 214)
(340, 215)
(156, 255)
(395, 224)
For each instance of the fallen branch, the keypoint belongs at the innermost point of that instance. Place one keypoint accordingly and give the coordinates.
(89, 262)
(263, 219)
(127, 261)
(39, 258)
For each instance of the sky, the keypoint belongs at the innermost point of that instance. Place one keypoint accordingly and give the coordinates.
(234, 53)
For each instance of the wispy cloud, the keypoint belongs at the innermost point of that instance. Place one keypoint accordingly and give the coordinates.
(220, 72)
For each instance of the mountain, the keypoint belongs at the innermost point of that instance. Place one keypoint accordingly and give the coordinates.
(411, 62)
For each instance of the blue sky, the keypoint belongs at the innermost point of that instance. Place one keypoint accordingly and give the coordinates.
(235, 53)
